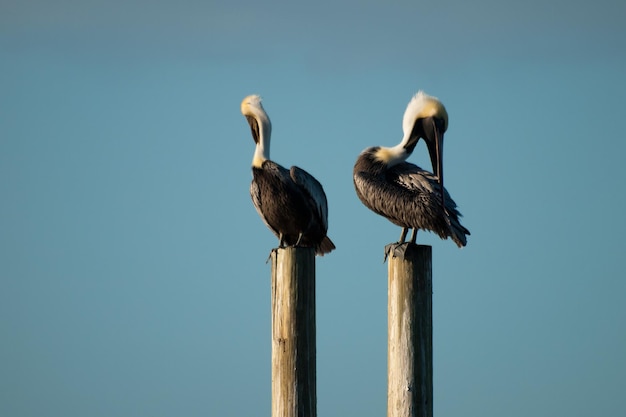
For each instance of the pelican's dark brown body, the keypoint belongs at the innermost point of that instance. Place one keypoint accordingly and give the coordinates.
(407, 196)
(287, 208)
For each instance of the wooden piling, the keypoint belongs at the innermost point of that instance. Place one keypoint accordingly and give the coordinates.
(410, 331)
(293, 333)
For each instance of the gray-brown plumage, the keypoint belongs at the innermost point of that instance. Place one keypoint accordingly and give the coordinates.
(405, 194)
(292, 203)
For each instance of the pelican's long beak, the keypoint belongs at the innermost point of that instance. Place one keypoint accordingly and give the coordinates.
(409, 146)
(435, 150)
(254, 127)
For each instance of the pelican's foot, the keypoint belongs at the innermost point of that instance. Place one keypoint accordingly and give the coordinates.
(271, 252)
(396, 250)
(285, 247)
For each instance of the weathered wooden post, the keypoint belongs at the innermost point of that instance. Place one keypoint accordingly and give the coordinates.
(293, 333)
(410, 331)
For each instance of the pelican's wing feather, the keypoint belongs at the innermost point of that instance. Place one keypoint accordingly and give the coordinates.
(312, 187)
(415, 179)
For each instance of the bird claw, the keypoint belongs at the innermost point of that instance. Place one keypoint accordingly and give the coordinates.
(282, 247)
(397, 250)
(271, 253)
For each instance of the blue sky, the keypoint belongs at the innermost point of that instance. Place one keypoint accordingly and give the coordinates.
(132, 262)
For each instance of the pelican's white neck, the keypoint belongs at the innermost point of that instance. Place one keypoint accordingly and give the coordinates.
(261, 154)
(262, 150)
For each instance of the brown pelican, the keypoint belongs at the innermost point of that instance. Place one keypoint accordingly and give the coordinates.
(404, 193)
(292, 203)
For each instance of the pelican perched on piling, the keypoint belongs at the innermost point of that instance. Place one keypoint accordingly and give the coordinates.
(404, 193)
(292, 203)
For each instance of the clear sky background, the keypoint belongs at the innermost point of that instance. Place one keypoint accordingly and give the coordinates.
(133, 279)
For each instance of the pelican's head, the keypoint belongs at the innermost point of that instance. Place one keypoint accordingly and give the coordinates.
(260, 126)
(253, 110)
(250, 103)
(426, 118)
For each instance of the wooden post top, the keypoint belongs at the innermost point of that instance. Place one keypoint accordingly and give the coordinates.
(406, 250)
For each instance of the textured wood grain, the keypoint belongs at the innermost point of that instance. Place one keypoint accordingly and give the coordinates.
(293, 333)
(410, 346)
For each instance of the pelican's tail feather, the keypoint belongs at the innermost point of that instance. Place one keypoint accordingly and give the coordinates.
(458, 232)
(325, 246)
